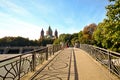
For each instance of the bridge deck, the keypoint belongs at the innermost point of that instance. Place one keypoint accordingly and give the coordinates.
(89, 69)
(73, 64)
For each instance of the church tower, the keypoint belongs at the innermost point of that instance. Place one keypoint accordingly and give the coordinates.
(49, 33)
(42, 34)
(56, 34)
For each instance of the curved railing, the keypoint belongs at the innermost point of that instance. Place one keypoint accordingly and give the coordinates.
(108, 58)
(14, 68)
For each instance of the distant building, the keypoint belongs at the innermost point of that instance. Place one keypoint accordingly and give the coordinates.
(42, 34)
(49, 34)
(56, 34)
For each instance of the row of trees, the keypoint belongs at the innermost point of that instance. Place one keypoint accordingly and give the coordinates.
(20, 41)
(67, 39)
(17, 41)
(84, 36)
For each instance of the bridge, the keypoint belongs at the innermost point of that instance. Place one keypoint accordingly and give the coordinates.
(57, 63)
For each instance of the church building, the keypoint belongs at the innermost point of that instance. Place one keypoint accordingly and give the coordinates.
(49, 34)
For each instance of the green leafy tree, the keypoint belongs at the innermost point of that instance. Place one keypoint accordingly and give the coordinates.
(74, 40)
(109, 30)
(44, 42)
(65, 38)
(56, 41)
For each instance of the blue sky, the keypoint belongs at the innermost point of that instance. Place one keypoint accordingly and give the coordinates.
(26, 18)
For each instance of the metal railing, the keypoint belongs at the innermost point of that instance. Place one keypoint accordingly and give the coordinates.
(107, 58)
(8, 50)
(14, 68)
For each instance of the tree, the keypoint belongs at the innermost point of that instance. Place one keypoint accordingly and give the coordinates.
(109, 30)
(80, 36)
(56, 41)
(65, 38)
(44, 42)
(87, 36)
(98, 34)
(74, 40)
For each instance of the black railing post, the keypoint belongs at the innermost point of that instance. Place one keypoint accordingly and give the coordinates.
(47, 53)
(33, 61)
(50, 49)
(19, 72)
(109, 61)
(53, 49)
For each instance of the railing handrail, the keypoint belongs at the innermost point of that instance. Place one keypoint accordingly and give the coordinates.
(25, 53)
(111, 52)
(17, 66)
(105, 50)
(107, 58)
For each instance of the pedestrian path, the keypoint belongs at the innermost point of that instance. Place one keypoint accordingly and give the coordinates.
(89, 69)
(73, 64)
(58, 69)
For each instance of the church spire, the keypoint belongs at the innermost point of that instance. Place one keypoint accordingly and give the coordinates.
(56, 34)
(49, 32)
(42, 34)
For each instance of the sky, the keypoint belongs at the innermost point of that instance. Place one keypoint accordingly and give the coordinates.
(26, 18)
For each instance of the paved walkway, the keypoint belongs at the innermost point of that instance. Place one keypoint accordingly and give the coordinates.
(89, 69)
(73, 64)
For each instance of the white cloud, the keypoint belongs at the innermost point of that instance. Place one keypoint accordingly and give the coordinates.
(15, 27)
(10, 6)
